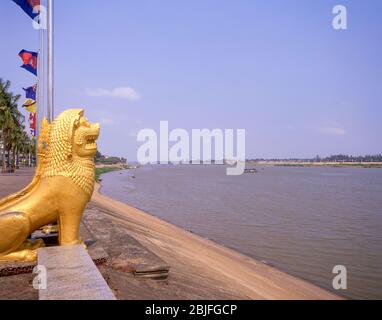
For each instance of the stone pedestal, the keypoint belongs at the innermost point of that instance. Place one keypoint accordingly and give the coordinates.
(71, 275)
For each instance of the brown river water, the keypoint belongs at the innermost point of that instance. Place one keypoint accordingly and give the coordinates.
(303, 221)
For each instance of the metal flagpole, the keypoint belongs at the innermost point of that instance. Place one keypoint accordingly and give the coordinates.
(40, 82)
(50, 45)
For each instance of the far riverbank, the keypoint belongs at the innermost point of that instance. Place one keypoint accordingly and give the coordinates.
(344, 164)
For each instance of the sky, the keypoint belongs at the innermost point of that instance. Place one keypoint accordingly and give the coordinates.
(276, 68)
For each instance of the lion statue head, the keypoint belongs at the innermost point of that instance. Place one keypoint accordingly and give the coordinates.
(68, 147)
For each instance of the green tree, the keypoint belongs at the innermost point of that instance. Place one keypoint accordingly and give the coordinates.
(12, 135)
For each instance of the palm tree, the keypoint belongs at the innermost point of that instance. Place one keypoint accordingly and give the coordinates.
(16, 142)
(11, 125)
(23, 148)
(5, 124)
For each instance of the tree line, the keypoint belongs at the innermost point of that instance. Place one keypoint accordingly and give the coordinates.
(16, 146)
(332, 158)
(350, 158)
(102, 159)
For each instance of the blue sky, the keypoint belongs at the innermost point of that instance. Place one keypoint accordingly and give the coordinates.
(275, 68)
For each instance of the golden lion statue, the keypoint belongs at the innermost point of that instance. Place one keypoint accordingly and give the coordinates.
(61, 188)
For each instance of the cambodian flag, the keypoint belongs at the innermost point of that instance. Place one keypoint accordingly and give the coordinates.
(27, 6)
(29, 61)
(30, 93)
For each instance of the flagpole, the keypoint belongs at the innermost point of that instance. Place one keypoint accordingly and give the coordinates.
(40, 83)
(50, 45)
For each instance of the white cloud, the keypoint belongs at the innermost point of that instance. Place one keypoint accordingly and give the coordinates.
(120, 92)
(333, 130)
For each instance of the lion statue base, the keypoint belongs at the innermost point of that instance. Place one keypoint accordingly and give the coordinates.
(61, 188)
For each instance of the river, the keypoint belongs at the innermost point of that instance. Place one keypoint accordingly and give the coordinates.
(302, 220)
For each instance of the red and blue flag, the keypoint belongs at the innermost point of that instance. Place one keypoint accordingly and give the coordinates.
(29, 61)
(32, 123)
(30, 93)
(27, 6)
